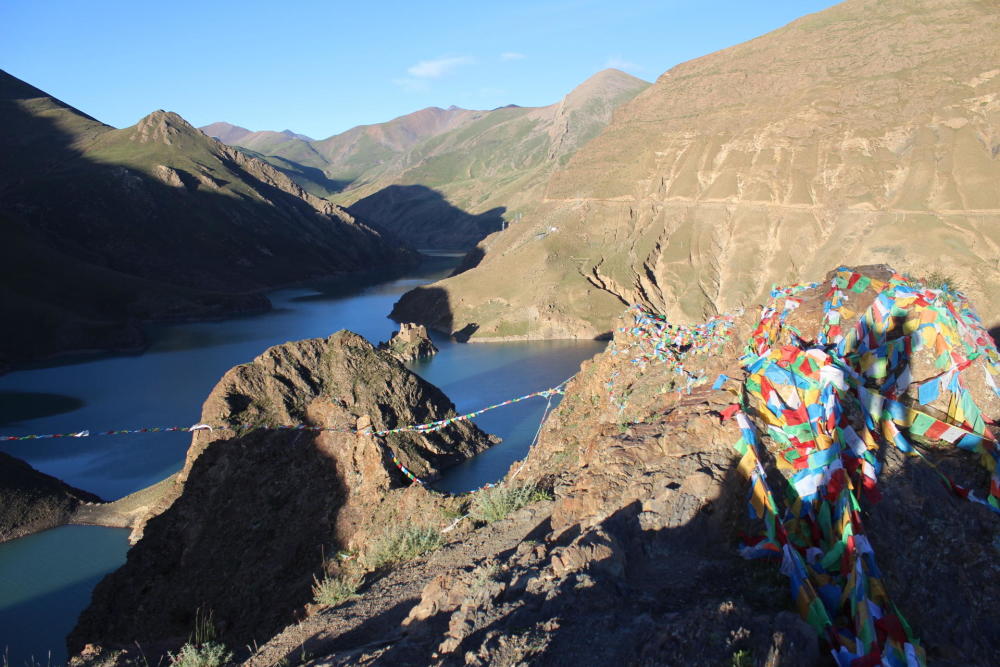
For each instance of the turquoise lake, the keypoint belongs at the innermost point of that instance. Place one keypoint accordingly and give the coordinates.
(46, 579)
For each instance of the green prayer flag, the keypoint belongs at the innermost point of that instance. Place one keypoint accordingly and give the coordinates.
(921, 423)
(831, 561)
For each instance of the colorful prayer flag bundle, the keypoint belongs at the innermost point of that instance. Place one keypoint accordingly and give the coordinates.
(826, 405)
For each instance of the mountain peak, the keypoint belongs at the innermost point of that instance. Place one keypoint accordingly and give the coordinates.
(609, 88)
(162, 127)
(609, 81)
(295, 135)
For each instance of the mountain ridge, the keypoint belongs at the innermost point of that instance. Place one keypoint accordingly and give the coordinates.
(460, 169)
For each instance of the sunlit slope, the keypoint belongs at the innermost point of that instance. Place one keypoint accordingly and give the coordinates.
(866, 133)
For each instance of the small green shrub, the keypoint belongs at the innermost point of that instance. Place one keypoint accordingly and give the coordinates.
(209, 654)
(202, 650)
(941, 280)
(334, 590)
(402, 545)
(742, 658)
(499, 502)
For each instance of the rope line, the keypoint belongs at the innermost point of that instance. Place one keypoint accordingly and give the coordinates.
(415, 428)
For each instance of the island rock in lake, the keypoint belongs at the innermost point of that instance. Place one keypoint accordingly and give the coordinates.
(256, 508)
(409, 343)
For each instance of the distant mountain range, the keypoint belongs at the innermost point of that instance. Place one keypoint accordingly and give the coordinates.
(867, 133)
(103, 228)
(443, 178)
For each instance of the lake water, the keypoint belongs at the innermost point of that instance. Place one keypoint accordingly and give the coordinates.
(46, 579)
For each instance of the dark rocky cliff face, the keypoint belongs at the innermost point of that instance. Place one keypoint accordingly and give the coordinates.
(253, 514)
(31, 501)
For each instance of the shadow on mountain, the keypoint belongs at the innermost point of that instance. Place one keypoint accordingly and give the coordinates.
(430, 306)
(622, 593)
(995, 333)
(470, 261)
(311, 179)
(91, 249)
(422, 217)
(647, 597)
(20, 406)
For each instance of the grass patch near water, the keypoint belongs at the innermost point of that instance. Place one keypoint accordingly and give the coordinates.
(402, 545)
(499, 502)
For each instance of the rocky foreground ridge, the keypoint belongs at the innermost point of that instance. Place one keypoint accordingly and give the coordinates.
(868, 132)
(255, 514)
(632, 549)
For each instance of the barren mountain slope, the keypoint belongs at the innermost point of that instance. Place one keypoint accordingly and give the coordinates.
(682, 500)
(869, 132)
(345, 157)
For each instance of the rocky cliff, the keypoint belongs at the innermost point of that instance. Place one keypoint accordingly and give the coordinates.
(868, 132)
(256, 513)
(104, 228)
(636, 559)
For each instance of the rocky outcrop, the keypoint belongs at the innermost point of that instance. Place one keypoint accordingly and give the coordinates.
(257, 509)
(410, 343)
(31, 501)
(866, 133)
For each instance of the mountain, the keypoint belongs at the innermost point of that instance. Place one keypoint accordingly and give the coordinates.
(104, 228)
(445, 178)
(229, 134)
(342, 158)
(465, 183)
(644, 526)
(226, 132)
(869, 132)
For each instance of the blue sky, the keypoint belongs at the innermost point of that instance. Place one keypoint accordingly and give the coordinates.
(322, 67)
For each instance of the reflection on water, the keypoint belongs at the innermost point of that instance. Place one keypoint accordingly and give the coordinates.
(43, 586)
(18, 406)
